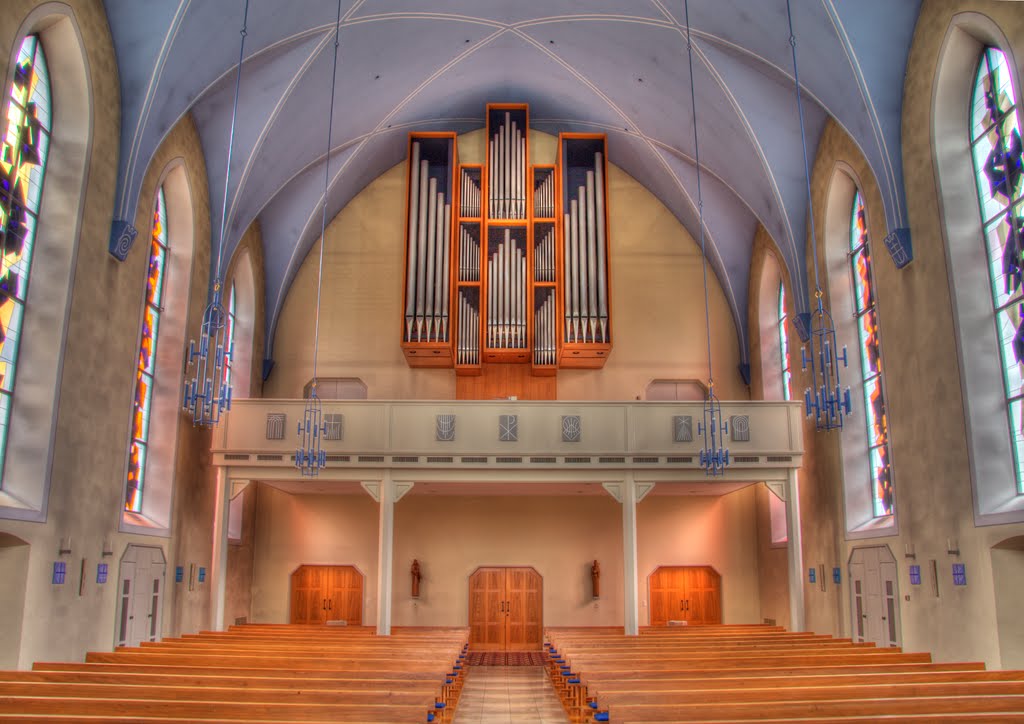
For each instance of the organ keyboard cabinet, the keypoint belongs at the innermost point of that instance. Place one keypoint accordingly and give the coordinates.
(507, 262)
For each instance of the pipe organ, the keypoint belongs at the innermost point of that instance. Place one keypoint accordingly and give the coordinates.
(507, 262)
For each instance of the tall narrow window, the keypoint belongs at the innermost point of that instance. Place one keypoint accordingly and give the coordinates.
(230, 337)
(784, 343)
(147, 358)
(25, 143)
(996, 150)
(875, 414)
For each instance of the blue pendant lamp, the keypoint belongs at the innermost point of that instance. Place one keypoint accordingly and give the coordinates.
(207, 392)
(714, 456)
(310, 457)
(825, 399)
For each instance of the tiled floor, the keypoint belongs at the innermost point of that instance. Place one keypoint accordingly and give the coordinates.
(507, 695)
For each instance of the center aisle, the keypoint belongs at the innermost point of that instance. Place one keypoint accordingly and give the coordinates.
(506, 694)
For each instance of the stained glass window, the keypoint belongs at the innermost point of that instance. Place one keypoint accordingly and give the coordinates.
(997, 154)
(146, 367)
(229, 337)
(784, 343)
(23, 152)
(875, 414)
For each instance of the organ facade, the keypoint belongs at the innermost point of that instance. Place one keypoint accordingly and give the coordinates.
(507, 261)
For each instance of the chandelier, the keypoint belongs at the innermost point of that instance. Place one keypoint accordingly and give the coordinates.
(714, 456)
(207, 390)
(309, 456)
(825, 399)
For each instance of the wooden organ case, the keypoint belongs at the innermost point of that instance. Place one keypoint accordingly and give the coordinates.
(507, 262)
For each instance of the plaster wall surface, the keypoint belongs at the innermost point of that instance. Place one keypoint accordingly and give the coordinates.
(655, 269)
(453, 535)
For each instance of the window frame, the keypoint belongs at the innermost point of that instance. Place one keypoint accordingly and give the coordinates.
(30, 240)
(862, 246)
(993, 481)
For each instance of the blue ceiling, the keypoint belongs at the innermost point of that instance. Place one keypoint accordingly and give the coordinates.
(618, 66)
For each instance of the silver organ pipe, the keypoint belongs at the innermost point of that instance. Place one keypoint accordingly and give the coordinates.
(410, 283)
(507, 169)
(585, 276)
(427, 266)
(544, 197)
(591, 257)
(429, 259)
(544, 330)
(421, 242)
(602, 275)
(446, 275)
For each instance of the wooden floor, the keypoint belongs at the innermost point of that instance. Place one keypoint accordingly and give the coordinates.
(507, 694)
(765, 674)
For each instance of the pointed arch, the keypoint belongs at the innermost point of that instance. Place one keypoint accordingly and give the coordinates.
(46, 288)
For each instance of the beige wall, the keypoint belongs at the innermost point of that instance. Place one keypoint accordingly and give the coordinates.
(453, 535)
(655, 275)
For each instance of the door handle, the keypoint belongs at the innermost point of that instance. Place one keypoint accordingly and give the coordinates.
(501, 607)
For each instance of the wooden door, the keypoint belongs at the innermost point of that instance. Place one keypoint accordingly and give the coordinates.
(327, 593)
(505, 609)
(685, 593)
(345, 595)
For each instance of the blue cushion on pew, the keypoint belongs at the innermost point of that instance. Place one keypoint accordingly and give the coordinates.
(449, 681)
(593, 704)
(430, 716)
(601, 716)
(440, 705)
(458, 666)
(574, 681)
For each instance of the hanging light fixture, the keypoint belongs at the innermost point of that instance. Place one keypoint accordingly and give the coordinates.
(714, 457)
(207, 390)
(309, 456)
(825, 399)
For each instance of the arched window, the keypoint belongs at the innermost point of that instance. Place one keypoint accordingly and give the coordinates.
(998, 159)
(875, 415)
(784, 344)
(230, 337)
(145, 371)
(23, 153)
(23, 165)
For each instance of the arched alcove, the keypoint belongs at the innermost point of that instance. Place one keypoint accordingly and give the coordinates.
(41, 355)
(1008, 581)
(14, 573)
(981, 374)
(155, 516)
(242, 283)
(861, 521)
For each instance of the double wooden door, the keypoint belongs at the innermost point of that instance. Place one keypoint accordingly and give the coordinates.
(686, 593)
(327, 593)
(875, 606)
(506, 609)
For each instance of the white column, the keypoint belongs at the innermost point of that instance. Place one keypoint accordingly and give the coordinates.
(219, 564)
(385, 554)
(629, 563)
(795, 553)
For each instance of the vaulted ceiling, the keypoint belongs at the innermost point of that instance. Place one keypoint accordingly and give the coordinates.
(613, 66)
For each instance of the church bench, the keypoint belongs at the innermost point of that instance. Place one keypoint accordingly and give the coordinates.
(610, 697)
(196, 658)
(395, 693)
(597, 685)
(203, 711)
(936, 718)
(338, 681)
(744, 660)
(796, 710)
(624, 674)
(197, 670)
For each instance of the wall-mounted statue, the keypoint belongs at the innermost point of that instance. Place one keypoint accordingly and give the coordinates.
(595, 578)
(415, 578)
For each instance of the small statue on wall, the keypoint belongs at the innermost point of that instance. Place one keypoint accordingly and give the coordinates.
(595, 578)
(415, 578)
